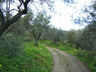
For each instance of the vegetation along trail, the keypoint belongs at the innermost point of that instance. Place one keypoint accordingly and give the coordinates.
(64, 62)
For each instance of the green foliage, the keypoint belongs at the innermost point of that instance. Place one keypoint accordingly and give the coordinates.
(71, 36)
(11, 42)
(37, 25)
(44, 42)
(87, 40)
(60, 45)
(34, 59)
(55, 35)
(42, 58)
(88, 58)
(40, 23)
(10, 46)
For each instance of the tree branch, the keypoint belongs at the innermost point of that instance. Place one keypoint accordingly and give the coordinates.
(38, 36)
(13, 10)
(34, 35)
(8, 23)
(2, 19)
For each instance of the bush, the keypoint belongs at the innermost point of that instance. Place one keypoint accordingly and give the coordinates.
(10, 46)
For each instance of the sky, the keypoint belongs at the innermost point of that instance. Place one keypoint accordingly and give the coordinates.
(65, 13)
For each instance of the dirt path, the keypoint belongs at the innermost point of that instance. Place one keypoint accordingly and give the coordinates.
(64, 62)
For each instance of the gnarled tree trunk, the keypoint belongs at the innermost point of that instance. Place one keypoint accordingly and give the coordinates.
(6, 23)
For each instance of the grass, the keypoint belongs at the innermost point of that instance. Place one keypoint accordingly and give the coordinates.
(34, 59)
(85, 56)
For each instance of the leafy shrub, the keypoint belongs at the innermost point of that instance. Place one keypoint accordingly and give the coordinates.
(10, 46)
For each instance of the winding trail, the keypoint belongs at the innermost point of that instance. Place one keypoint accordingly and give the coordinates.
(64, 62)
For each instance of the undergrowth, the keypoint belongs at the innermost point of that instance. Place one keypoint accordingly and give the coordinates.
(34, 59)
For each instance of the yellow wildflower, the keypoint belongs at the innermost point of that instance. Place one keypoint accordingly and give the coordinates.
(0, 65)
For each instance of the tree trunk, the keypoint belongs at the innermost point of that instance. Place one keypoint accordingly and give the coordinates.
(36, 43)
(36, 37)
(6, 24)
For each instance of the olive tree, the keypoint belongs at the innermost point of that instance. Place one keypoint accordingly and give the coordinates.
(71, 36)
(88, 38)
(55, 35)
(38, 25)
(7, 18)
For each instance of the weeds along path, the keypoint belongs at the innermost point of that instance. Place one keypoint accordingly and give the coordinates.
(64, 62)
